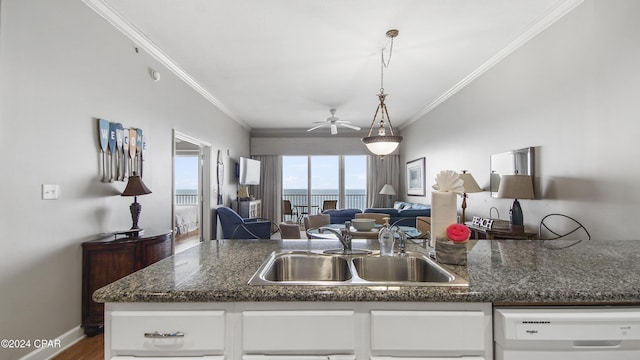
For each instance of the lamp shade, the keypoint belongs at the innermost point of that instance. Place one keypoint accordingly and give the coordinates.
(470, 185)
(387, 189)
(516, 187)
(135, 187)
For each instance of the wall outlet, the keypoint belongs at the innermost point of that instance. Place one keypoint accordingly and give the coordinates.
(50, 192)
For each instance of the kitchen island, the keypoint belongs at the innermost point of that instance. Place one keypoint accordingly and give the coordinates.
(205, 290)
(498, 271)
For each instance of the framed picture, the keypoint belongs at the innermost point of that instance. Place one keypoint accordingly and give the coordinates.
(416, 177)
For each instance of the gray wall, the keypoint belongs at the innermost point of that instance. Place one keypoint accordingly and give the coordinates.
(571, 92)
(62, 66)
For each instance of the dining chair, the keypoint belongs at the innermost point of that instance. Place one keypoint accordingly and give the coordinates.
(315, 221)
(290, 231)
(287, 209)
(559, 231)
(423, 224)
(378, 217)
(329, 204)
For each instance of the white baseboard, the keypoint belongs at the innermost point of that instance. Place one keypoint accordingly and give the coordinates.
(66, 340)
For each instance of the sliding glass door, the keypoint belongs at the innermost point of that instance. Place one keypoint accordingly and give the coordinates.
(355, 182)
(307, 181)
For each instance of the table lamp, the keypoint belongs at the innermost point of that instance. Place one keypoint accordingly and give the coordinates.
(516, 187)
(135, 187)
(388, 190)
(470, 186)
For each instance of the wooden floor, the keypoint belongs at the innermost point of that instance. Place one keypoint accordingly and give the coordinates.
(187, 240)
(91, 348)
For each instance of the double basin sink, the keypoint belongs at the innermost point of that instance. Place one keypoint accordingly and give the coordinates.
(331, 269)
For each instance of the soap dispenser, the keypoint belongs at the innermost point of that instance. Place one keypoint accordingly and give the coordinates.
(386, 238)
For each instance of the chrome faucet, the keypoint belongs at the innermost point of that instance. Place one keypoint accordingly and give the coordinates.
(344, 236)
(403, 241)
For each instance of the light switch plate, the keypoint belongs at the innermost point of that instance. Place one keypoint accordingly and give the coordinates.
(50, 192)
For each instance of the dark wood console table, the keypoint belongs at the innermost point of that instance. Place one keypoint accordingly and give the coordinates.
(109, 258)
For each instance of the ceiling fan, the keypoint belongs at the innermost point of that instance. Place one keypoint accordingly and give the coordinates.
(334, 122)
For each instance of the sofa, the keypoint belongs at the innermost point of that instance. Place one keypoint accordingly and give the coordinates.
(339, 216)
(404, 211)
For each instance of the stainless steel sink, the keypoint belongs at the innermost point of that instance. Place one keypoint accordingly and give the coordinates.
(396, 268)
(318, 268)
(304, 267)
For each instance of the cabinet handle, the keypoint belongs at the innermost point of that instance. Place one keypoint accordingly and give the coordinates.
(159, 335)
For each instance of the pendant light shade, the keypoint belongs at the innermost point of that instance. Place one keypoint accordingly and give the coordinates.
(382, 145)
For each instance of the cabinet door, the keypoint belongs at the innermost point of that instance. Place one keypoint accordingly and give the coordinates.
(427, 358)
(437, 332)
(102, 266)
(298, 357)
(319, 331)
(168, 358)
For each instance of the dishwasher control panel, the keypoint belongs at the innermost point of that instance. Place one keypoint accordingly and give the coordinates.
(568, 324)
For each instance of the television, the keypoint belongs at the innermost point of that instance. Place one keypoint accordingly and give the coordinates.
(248, 171)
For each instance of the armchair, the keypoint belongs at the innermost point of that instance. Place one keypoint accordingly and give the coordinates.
(235, 227)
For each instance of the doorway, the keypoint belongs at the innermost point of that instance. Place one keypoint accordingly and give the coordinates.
(191, 197)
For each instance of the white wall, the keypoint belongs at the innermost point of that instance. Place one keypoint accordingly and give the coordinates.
(61, 67)
(572, 93)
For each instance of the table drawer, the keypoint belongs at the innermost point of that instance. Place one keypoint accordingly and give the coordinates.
(174, 332)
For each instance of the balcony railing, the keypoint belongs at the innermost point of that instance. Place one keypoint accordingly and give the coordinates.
(351, 201)
(186, 199)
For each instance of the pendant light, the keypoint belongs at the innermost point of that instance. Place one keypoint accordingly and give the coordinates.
(385, 142)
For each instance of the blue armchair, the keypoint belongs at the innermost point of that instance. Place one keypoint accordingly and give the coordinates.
(235, 227)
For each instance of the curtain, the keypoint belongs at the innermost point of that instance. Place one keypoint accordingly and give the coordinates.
(270, 188)
(381, 172)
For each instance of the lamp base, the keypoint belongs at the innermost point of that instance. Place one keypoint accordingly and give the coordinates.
(135, 209)
(516, 225)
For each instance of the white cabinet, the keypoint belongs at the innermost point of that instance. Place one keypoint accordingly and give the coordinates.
(451, 333)
(299, 330)
(156, 331)
(302, 331)
(249, 208)
(147, 332)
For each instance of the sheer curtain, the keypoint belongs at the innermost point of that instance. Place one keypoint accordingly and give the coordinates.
(270, 188)
(382, 171)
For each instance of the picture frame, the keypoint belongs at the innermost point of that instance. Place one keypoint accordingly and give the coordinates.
(416, 177)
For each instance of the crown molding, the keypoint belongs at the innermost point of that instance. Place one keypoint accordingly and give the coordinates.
(539, 26)
(114, 18)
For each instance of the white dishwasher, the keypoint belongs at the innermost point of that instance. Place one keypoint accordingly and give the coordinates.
(567, 333)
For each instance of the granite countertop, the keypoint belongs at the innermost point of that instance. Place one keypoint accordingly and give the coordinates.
(499, 271)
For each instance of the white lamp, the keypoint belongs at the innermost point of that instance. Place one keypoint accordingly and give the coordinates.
(470, 186)
(388, 190)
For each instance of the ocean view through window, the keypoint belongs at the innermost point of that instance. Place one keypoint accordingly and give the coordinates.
(309, 180)
(186, 180)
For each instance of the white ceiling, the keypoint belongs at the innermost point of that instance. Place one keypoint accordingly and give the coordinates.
(282, 64)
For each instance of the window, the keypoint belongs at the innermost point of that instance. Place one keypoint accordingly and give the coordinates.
(309, 180)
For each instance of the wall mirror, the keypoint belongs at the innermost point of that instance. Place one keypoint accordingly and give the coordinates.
(518, 161)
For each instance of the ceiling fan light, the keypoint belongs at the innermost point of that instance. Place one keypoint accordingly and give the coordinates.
(382, 145)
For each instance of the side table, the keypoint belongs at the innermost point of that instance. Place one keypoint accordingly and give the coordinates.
(111, 257)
